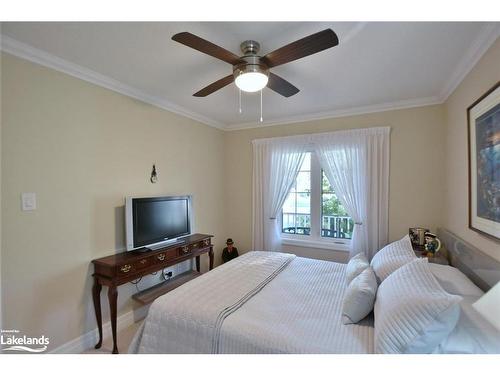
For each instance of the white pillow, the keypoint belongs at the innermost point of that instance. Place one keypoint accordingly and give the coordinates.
(472, 335)
(359, 297)
(413, 313)
(355, 266)
(391, 257)
(454, 281)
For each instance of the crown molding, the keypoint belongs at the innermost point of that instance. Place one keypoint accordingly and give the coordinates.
(27, 52)
(402, 104)
(488, 35)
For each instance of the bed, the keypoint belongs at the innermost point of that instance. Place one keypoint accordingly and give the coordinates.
(265, 302)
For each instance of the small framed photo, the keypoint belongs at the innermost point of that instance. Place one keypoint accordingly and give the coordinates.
(484, 163)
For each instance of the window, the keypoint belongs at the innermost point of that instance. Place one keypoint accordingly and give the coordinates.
(297, 207)
(312, 212)
(335, 221)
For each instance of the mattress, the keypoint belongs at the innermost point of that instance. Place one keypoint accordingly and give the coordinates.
(261, 302)
(298, 312)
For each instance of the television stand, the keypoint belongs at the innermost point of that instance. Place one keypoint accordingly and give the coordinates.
(119, 269)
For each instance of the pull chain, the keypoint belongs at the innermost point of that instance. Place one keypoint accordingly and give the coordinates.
(239, 90)
(261, 119)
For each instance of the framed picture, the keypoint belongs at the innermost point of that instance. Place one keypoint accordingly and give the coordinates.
(484, 163)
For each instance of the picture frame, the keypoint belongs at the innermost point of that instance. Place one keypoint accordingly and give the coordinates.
(483, 121)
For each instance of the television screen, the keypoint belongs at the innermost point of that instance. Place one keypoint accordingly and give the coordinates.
(158, 219)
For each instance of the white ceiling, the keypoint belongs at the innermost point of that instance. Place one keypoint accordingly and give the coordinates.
(376, 66)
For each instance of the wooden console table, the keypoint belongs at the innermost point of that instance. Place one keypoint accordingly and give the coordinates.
(115, 270)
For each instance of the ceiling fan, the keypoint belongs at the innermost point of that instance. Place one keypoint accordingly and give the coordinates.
(251, 71)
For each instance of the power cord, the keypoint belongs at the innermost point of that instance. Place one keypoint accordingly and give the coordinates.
(135, 282)
(163, 273)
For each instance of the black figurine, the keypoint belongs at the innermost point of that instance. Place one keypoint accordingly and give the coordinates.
(229, 252)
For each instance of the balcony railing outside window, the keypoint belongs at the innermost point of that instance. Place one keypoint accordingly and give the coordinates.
(333, 226)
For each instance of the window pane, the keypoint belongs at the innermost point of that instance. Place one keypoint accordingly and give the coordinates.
(325, 184)
(304, 182)
(288, 223)
(303, 224)
(303, 203)
(296, 212)
(289, 206)
(335, 221)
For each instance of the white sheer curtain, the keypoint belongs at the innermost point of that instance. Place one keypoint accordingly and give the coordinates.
(356, 163)
(275, 167)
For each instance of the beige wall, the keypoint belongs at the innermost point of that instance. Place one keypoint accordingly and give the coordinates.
(82, 149)
(416, 170)
(482, 77)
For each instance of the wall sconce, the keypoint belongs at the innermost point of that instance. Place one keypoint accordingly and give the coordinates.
(154, 176)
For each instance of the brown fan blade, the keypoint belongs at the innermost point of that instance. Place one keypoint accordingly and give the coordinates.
(217, 85)
(281, 86)
(207, 47)
(301, 48)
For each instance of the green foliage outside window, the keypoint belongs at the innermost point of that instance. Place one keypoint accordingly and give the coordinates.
(331, 204)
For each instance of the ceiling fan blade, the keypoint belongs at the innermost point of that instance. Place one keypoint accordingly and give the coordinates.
(207, 47)
(217, 85)
(281, 86)
(301, 48)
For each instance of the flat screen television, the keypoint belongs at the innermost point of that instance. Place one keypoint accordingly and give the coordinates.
(152, 222)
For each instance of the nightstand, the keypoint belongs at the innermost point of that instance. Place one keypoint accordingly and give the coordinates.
(440, 258)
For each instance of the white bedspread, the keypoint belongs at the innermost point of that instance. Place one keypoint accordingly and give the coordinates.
(261, 302)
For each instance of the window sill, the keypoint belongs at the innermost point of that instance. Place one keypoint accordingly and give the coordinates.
(325, 245)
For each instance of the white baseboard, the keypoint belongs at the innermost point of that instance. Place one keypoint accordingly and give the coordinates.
(89, 339)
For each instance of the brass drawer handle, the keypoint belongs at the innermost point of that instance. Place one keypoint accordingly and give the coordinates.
(126, 268)
(206, 242)
(161, 257)
(144, 261)
(185, 249)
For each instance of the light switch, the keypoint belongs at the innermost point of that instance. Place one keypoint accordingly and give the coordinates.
(28, 201)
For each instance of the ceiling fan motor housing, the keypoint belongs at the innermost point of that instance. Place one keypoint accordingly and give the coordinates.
(250, 47)
(250, 64)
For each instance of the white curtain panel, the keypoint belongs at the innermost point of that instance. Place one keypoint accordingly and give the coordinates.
(356, 163)
(275, 167)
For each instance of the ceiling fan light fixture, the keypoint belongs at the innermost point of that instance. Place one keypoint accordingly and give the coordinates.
(251, 81)
(251, 71)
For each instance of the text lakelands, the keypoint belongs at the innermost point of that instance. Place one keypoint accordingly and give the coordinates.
(24, 340)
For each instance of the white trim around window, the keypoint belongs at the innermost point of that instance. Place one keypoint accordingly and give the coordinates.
(314, 239)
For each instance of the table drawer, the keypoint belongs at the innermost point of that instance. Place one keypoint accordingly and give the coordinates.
(126, 269)
(184, 250)
(200, 246)
(164, 256)
(143, 263)
(135, 266)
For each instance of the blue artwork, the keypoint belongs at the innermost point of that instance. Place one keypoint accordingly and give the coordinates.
(488, 164)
